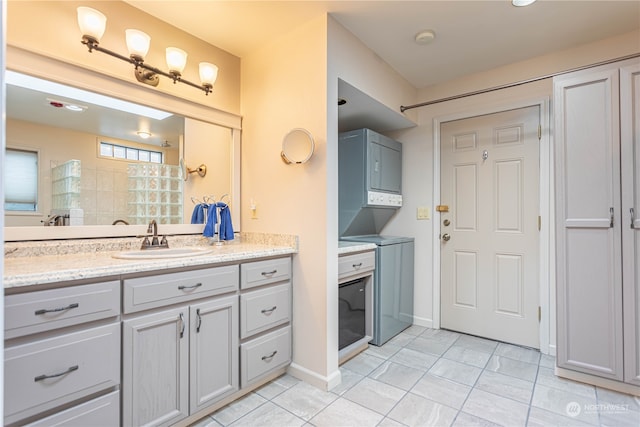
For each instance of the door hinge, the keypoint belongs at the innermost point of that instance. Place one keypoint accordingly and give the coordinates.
(539, 314)
(539, 132)
(539, 223)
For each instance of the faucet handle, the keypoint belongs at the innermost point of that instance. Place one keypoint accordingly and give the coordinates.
(145, 243)
(164, 243)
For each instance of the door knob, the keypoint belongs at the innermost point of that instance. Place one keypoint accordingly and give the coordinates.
(446, 237)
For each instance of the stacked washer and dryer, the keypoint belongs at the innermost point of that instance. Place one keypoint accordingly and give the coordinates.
(370, 193)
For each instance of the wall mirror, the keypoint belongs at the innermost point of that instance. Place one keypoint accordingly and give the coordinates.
(297, 146)
(122, 177)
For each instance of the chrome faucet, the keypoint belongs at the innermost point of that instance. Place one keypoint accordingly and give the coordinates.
(56, 220)
(154, 244)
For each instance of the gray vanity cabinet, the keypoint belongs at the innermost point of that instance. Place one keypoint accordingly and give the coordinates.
(62, 350)
(213, 342)
(597, 237)
(179, 360)
(155, 368)
(265, 319)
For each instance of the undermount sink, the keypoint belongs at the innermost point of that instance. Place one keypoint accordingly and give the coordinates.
(163, 253)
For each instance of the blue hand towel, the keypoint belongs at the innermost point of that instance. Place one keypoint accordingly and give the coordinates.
(212, 218)
(226, 228)
(197, 217)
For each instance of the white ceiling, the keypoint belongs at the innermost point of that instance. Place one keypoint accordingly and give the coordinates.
(471, 36)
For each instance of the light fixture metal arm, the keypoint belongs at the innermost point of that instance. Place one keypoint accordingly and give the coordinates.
(148, 78)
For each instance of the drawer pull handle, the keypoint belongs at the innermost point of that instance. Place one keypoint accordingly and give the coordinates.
(199, 322)
(269, 357)
(268, 311)
(269, 273)
(55, 310)
(44, 377)
(357, 266)
(183, 287)
(181, 325)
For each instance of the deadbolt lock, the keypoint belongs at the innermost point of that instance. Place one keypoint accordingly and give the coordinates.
(446, 237)
(446, 222)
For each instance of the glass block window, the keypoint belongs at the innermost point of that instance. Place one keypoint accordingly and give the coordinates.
(121, 152)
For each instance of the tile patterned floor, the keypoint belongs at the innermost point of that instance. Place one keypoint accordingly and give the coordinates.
(427, 377)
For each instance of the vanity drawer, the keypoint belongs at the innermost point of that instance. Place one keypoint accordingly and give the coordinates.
(260, 273)
(103, 411)
(50, 372)
(159, 290)
(265, 308)
(41, 311)
(261, 356)
(357, 263)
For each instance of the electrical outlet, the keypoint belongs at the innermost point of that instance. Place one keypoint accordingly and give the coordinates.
(424, 213)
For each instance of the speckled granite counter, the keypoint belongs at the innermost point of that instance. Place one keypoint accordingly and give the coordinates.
(37, 263)
(345, 248)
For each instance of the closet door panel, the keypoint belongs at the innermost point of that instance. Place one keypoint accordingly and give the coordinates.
(589, 274)
(630, 146)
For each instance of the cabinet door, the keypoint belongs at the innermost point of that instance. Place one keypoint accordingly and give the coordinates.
(214, 353)
(588, 221)
(155, 368)
(630, 139)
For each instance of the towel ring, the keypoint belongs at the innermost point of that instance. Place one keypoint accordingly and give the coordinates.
(297, 146)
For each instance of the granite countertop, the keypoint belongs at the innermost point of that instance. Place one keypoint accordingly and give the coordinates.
(345, 248)
(85, 260)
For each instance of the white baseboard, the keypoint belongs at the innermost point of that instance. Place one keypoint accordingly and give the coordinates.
(313, 378)
(423, 321)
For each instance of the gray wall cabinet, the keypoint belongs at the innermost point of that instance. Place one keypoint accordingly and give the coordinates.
(597, 193)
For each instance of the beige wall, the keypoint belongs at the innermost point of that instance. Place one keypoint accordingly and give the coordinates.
(284, 87)
(209, 145)
(28, 21)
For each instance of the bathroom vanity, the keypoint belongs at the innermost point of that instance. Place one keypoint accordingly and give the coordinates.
(106, 341)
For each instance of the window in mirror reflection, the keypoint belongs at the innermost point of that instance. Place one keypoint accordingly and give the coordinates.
(121, 152)
(21, 180)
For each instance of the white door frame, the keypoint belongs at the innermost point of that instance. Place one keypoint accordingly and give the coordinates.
(547, 280)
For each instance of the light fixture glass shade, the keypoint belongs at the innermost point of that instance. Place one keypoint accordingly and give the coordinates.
(208, 73)
(522, 3)
(137, 44)
(176, 60)
(92, 23)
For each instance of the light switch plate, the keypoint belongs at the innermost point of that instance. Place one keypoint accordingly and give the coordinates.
(424, 213)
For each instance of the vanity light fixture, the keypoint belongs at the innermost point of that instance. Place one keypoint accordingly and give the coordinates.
(425, 37)
(522, 3)
(93, 23)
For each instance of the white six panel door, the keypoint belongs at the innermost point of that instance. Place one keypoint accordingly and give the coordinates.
(489, 236)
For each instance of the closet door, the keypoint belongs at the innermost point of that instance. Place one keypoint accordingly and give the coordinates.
(630, 146)
(588, 222)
